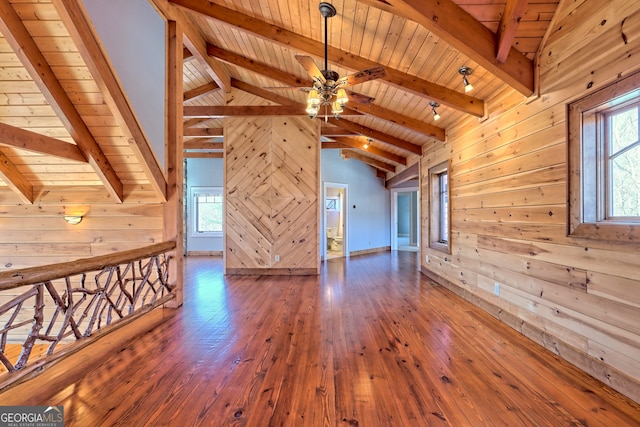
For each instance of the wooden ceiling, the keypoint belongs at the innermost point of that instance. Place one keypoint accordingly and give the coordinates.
(64, 119)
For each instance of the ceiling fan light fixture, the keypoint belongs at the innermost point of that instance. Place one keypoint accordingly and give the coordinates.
(434, 105)
(342, 97)
(466, 71)
(313, 98)
(336, 108)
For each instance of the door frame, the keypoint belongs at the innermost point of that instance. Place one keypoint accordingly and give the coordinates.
(344, 211)
(394, 214)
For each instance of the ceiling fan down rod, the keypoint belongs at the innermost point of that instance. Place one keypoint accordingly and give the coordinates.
(327, 10)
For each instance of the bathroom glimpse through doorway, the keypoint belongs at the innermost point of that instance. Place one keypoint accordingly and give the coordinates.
(335, 220)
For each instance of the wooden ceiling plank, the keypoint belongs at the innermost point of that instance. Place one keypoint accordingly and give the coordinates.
(38, 143)
(359, 142)
(513, 11)
(349, 154)
(10, 174)
(18, 37)
(81, 31)
(375, 134)
(200, 91)
(332, 131)
(432, 91)
(458, 28)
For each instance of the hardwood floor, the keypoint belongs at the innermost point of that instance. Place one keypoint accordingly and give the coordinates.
(370, 342)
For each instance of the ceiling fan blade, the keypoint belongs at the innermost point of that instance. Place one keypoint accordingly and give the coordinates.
(360, 98)
(311, 68)
(362, 76)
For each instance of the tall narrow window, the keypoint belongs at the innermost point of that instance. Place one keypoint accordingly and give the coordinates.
(439, 209)
(207, 211)
(604, 163)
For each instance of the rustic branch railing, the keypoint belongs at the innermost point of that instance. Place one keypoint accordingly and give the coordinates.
(70, 301)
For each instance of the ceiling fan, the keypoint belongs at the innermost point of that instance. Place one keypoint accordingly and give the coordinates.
(328, 87)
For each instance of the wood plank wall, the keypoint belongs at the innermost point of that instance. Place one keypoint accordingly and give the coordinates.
(272, 187)
(32, 235)
(578, 298)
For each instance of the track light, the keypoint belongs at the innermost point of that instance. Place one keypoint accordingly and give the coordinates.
(466, 71)
(434, 105)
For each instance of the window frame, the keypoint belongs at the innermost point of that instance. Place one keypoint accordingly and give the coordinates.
(435, 207)
(194, 192)
(587, 209)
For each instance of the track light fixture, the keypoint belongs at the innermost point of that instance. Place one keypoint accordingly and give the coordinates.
(434, 105)
(466, 71)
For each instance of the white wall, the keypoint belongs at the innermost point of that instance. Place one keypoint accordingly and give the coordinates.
(370, 220)
(203, 173)
(133, 35)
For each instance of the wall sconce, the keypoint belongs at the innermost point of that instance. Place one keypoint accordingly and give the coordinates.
(434, 105)
(73, 219)
(466, 71)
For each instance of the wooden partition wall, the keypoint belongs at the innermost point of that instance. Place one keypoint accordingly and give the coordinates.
(272, 187)
(511, 255)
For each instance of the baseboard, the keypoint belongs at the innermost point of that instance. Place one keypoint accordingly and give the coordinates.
(272, 272)
(204, 253)
(370, 251)
(606, 374)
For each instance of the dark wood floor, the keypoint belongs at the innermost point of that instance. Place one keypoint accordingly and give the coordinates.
(369, 342)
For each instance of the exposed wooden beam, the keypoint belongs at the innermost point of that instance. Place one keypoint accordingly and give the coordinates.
(203, 145)
(193, 122)
(508, 27)
(399, 119)
(409, 173)
(203, 132)
(245, 110)
(202, 155)
(350, 154)
(20, 40)
(263, 93)
(290, 80)
(186, 54)
(10, 174)
(458, 28)
(380, 173)
(200, 91)
(80, 29)
(375, 134)
(335, 131)
(333, 144)
(38, 143)
(363, 144)
(291, 40)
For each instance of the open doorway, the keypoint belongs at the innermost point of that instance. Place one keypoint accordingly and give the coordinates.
(405, 233)
(335, 220)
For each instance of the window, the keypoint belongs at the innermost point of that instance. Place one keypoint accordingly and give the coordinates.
(439, 229)
(207, 211)
(604, 163)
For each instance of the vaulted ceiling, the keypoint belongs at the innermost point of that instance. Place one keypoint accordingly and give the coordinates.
(65, 121)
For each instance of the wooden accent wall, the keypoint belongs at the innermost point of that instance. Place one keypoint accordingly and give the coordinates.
(32, 235)
(272, 187)
(579, 298)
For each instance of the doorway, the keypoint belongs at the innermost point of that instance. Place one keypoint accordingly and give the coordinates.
(335, 220)
(405, 232)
